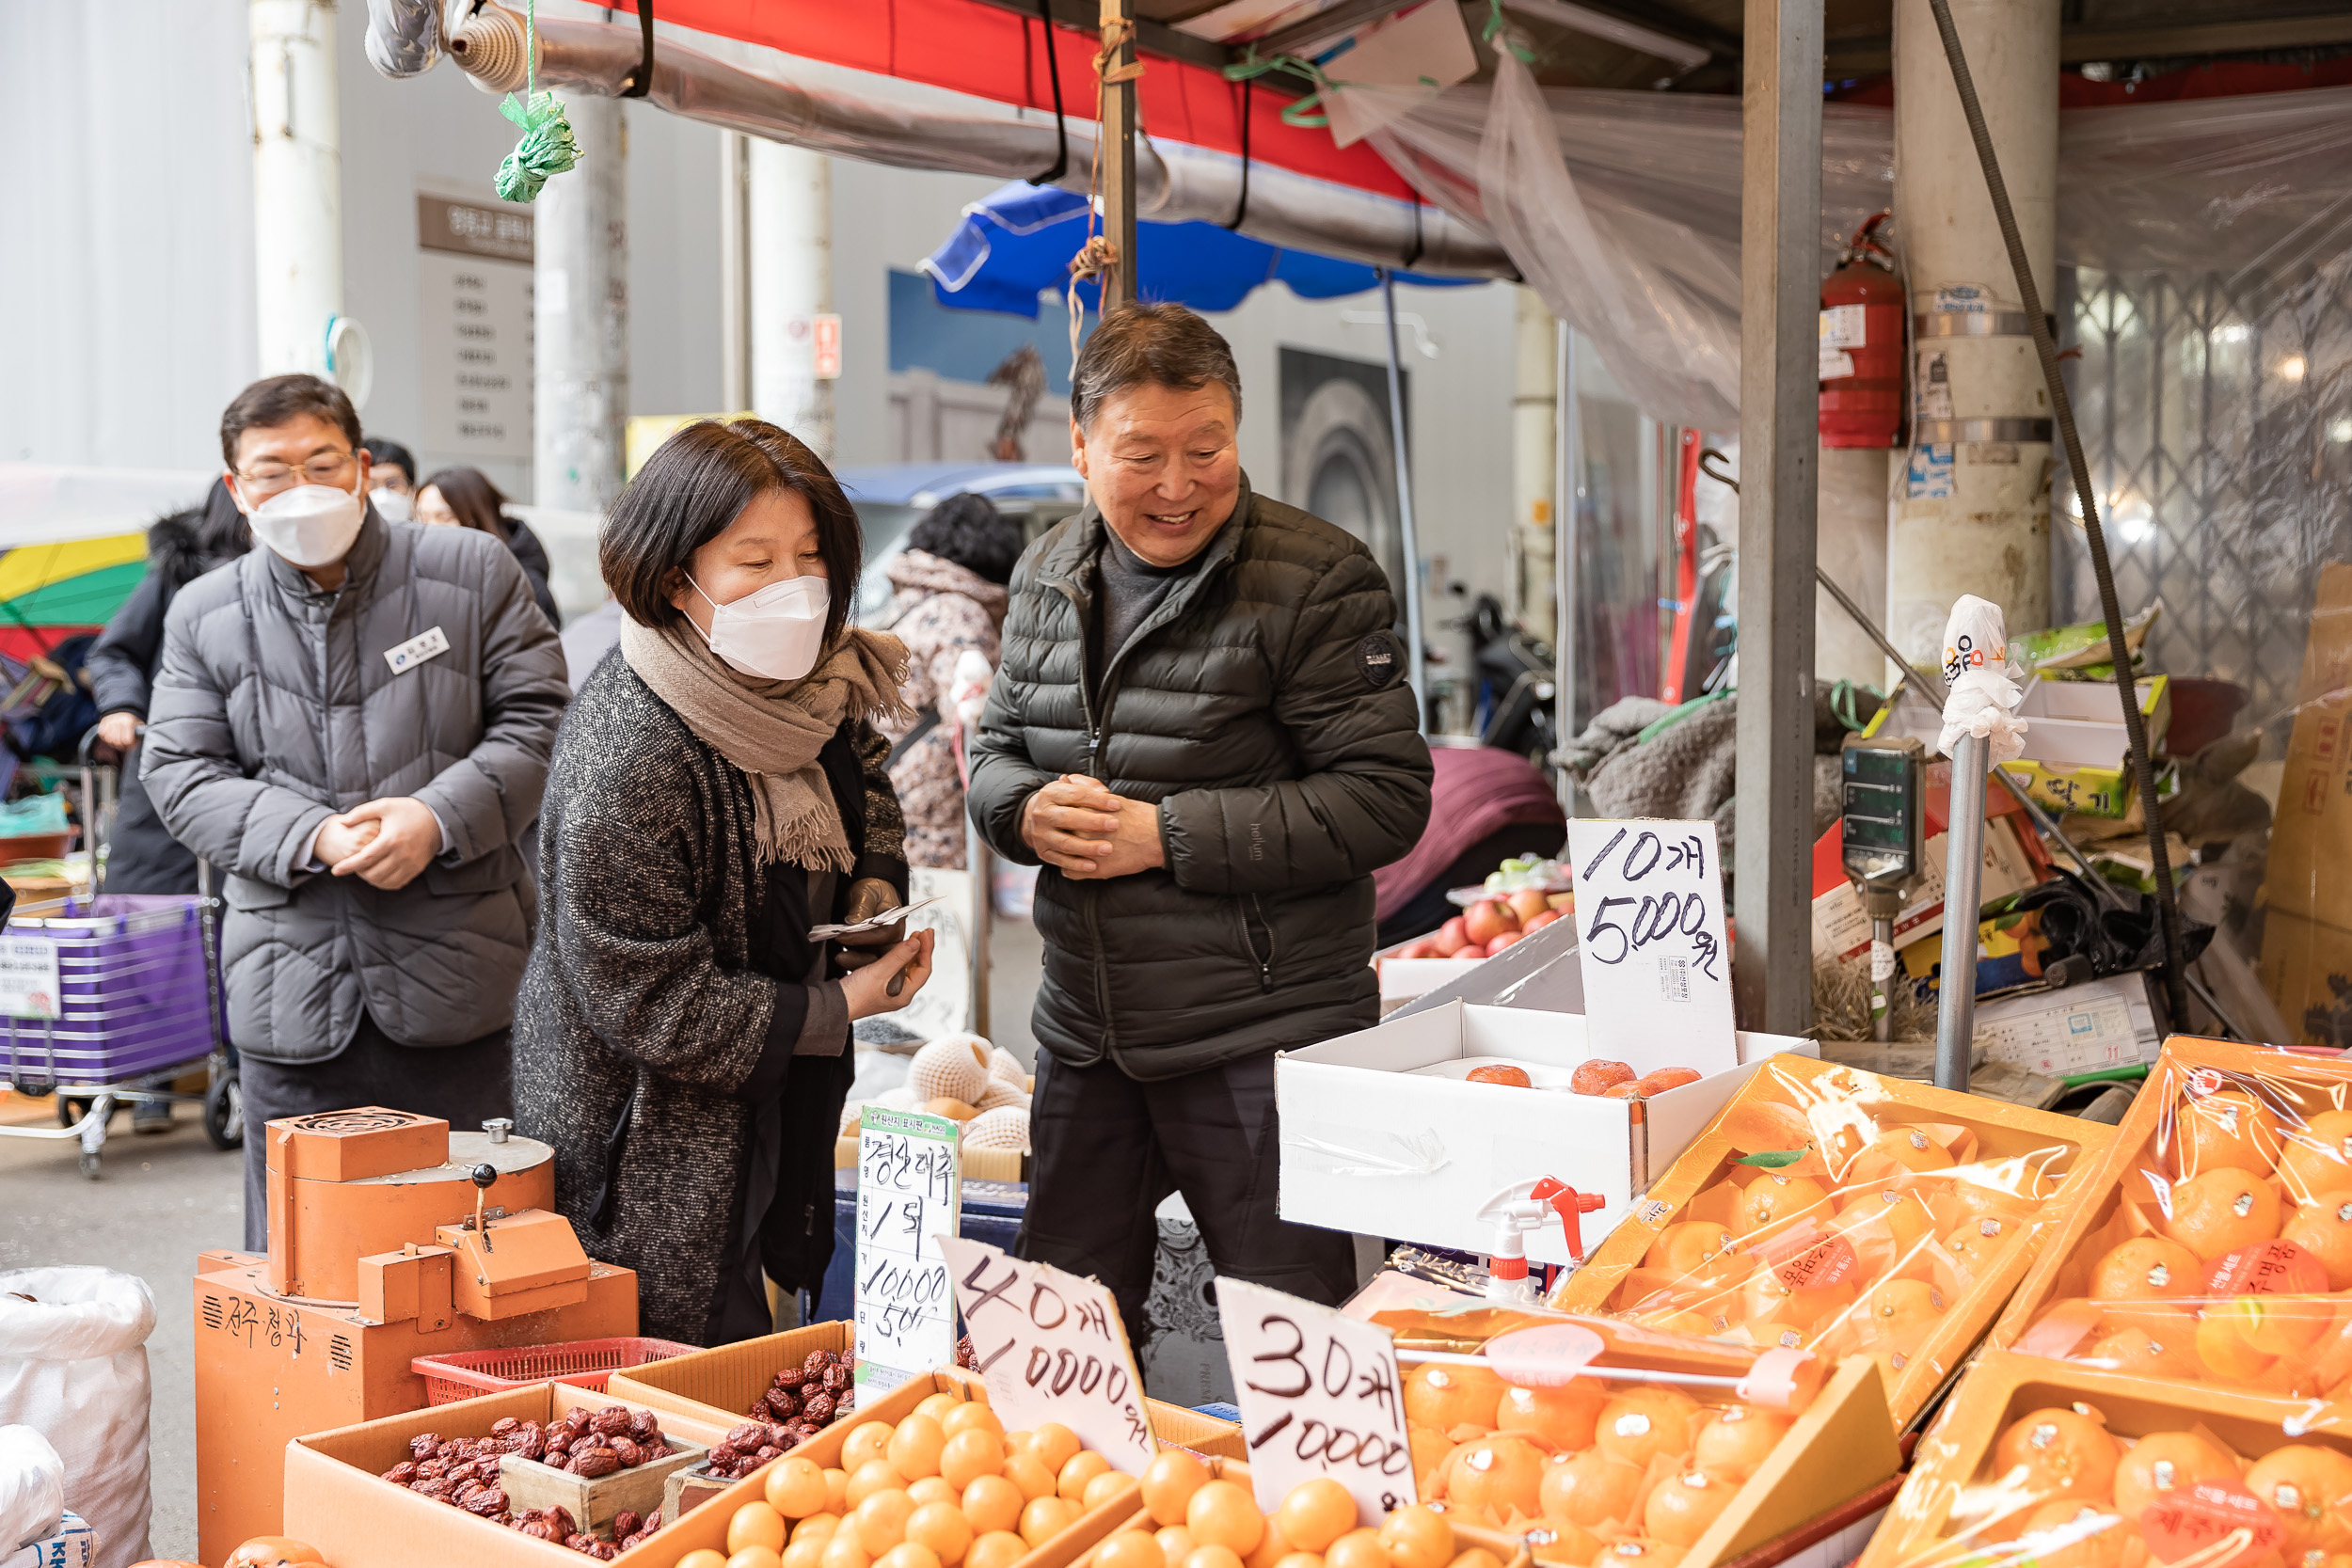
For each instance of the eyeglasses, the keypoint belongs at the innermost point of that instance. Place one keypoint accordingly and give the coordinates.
(325, 469)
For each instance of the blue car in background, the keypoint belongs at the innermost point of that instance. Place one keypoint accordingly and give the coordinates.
(891, 499)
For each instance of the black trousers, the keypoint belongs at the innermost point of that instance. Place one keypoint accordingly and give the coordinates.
(465, 1084)
(1108, 1149)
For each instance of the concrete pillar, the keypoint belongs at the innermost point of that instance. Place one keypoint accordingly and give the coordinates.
(1533, 460)
(1971, 513)
(580, 293)
(298, 182)
(735, 272)
(790, 221)
(1853, 545)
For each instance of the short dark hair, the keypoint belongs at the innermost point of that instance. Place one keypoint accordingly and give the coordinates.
(393, 454)
(694, 485)
(280, 399)
(479, 503)
(969, 530)
(1151, 344)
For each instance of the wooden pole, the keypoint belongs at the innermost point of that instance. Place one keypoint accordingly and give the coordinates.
(1118, 150)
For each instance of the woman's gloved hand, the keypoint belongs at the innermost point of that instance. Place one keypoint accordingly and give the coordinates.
(906, 965)
(868, 898)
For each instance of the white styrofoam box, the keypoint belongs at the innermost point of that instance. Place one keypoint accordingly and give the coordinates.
(1381, 1137)
(1401, 980)
(1540, 972)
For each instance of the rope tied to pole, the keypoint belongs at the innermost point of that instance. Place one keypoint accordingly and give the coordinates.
(1099, 255)
(1118, 32)
(547, 147)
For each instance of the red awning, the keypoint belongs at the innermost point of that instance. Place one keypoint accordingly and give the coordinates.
(980, 49)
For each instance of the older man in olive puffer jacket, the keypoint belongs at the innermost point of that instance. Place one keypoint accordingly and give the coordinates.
(353, 724)
(1203, 729)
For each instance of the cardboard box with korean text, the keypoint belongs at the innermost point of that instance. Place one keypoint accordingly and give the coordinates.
(1384, 1135)
(2311, 832)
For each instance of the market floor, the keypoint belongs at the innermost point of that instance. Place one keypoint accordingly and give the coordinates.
(162, 1200)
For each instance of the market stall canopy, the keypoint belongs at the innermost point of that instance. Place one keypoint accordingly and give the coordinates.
(1017, 243)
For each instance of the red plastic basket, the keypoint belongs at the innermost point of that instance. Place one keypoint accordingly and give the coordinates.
(582, 1363)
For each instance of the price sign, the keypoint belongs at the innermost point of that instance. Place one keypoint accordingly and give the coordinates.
(1052, 1348)
(909, 1193)
(1649, 911)
(1319, 1395)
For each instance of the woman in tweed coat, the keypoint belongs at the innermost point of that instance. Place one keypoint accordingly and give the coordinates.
(717, 788)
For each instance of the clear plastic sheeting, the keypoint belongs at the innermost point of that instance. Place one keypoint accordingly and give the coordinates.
(1622, 209)
(403, 40)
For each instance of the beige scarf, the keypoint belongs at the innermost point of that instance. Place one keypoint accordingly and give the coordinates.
(772, 730)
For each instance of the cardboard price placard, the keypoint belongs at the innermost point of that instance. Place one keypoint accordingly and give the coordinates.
(909, 1192)
(1319, 1395)
(1649, 913)
(1051, 1348)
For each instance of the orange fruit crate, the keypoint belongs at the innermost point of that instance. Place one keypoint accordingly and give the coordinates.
(581, 1363)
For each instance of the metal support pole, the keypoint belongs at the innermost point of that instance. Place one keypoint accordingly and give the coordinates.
(1563, 546)
(981, 865)
(1412, 536)
(1118, 153)
(1780, 261)
(1963, 871)
(579, 415)
(735, 272)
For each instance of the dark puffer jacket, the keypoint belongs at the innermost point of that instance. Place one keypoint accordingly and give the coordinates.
(1263, 707)
(275, 708)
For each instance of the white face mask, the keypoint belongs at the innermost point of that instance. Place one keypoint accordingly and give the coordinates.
(392, 504)
(777, 632)
(311, 525)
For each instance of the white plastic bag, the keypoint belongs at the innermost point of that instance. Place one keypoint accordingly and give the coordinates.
(71, 1545)
(74, 1367)
(32, 1488)
(1983, 699)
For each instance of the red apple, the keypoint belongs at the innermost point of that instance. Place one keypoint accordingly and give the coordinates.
(1425, 948)
(1527, 904)
(1488, 920)
(1501, 942)
(1452, 938)
(1537, 923)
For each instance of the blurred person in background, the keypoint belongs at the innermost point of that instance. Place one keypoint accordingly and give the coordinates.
(393, 471)
(142, 856)
(464, 497)
(353, 724)
(951, 596)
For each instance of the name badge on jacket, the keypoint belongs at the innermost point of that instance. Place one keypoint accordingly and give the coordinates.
(424, 645)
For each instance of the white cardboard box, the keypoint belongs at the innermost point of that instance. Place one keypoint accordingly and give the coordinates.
(1378, 1140)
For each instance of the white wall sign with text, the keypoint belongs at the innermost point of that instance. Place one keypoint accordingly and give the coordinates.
(1052, 1348)
(1649, 917)
(1319, 1395)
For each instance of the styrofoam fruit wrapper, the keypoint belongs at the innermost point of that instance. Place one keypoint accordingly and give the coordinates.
(1006, 1128)
(1002, 1064)
(1983, 699)
(952, 1066)
(1001, 1094)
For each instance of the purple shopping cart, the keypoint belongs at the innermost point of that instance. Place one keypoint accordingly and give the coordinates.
(112, 997)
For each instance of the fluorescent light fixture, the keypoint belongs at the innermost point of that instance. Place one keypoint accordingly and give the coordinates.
(1684, 55)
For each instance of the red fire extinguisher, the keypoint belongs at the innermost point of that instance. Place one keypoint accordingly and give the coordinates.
(1862, 345)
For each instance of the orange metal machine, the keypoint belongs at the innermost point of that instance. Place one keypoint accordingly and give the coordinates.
(390, 1237)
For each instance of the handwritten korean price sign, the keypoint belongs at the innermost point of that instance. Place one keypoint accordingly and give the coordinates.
(909, 1193)
(1649, 908)
(1051, 1348)
(1319, 1395)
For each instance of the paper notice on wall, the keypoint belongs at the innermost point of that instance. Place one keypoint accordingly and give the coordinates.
(1319, 1395)
(1649, 911)
(909, 1189)
(1052, 1348)
(1935, 383)
(1931, 476)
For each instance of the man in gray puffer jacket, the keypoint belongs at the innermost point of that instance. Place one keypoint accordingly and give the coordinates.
(353, 724)
(1202, 728)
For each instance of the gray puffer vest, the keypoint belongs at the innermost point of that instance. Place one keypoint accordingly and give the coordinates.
(1263, 707)
(275, 708)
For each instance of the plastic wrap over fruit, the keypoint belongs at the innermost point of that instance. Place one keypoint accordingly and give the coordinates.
(2073, 1473)
(2222, 1253)
(1836, 1212)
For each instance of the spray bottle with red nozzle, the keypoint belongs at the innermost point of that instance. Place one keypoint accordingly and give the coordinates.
(1518, 1211)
